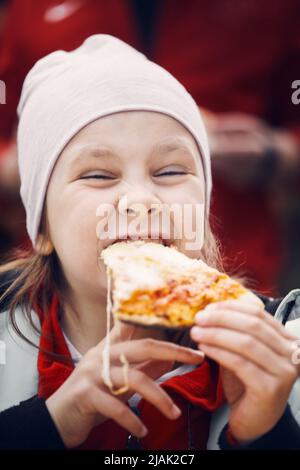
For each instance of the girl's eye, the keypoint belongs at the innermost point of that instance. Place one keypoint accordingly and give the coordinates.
(96, 176)
(172, 173)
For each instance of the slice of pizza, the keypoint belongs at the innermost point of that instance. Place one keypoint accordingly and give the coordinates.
(153, 284)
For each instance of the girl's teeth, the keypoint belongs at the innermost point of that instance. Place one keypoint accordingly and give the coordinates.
(154, 240)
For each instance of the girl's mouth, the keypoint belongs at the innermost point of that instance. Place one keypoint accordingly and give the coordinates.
(162, 241)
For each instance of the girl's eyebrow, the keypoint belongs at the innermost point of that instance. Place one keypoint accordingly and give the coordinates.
(172, 144)
(93, 152)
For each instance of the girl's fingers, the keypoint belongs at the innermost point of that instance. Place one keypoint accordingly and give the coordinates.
(110, 407)
(140, 383)
(251, 309)
(236, 320)
(240, 343)
(155, 369)
(249, 373)
(151, 349)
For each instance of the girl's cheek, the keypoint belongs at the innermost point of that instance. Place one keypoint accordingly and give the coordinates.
(192, 192)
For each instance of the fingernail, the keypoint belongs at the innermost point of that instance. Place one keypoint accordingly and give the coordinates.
(176, 412)
(198, 354)
(201, 317)
(193, 330)
(143, 432)
(196, 333)
(210, 307)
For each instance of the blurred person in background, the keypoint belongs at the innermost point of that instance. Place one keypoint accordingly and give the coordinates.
(238, 58)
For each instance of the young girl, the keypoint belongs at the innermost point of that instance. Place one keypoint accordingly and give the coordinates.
(101, 125)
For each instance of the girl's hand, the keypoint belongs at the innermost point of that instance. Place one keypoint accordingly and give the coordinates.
(84, 401)
(255, 352)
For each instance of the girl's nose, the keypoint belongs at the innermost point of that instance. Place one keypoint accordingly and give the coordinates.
(139, 203)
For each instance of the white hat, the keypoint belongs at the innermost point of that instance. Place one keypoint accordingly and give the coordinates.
(65, 91)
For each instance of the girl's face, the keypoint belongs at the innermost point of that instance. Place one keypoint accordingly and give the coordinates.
(120, 160)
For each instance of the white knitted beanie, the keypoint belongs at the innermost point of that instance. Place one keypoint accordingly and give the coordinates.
(65, 91)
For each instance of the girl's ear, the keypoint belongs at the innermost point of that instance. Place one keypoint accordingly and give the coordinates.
(42, 246)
